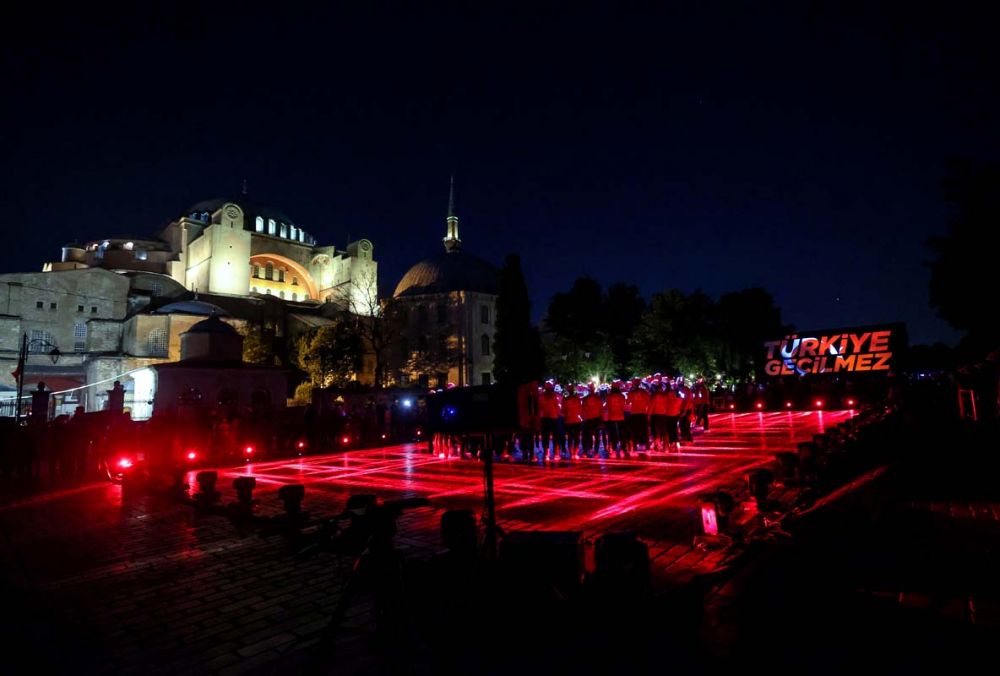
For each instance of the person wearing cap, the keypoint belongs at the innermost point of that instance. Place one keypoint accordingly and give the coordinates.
(658, 415)
(673, 407)
(615, 406)
(639, 420)
(548, 408)
(572, 409)
(593, 409)
(701, 404)
(687, 410)
(559, 443)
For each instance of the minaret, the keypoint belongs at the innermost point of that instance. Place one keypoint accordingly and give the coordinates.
(452, 242)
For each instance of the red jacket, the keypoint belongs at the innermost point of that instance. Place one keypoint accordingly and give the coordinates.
(616, 406)
(592, 406)
(674, 403)
(573, 409)
(548, 405)
(658, 403)
(640, 401)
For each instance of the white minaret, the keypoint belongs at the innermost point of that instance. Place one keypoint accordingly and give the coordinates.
(452, 242)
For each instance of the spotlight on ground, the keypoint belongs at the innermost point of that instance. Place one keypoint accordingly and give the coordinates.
(206, 495)
(732, 407)
(788, 404)
(715, 510)
(345, 440)
(759, 483)
(292, 495)
(819, 403)
(244, 487)
(759, 405)
(850, 402)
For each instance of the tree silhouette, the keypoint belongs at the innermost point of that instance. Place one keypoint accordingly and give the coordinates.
(518, 356)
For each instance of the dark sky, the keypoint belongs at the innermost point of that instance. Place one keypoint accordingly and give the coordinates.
(799, 149)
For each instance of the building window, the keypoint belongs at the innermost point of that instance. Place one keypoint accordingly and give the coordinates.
(295, 296)
(39, 305)
(268, 271)
(267, 291)
(93, 309)
(291, 231)
(487, 378)
(256, 270)
(485, 345)
(272, 227)
(259, 224)
(295, 281)
(442, 313)
(156, 288)
(302, 236)
(157, 343)
(79, 308)
(484, 314)
(52, 306)
(281, 274)
(253, 289)
(281, 294)
(305, 296)
(284, 230)
(40, 341)
(140, 254)
(128, 246)
(80, 337)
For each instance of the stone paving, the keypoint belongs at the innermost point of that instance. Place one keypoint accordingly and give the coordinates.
(139, 584)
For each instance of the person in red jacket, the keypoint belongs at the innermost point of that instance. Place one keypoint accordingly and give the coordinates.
(548, 409)
(673, 407)
(658, 415)
(687, 410)
(639, 421)
(615, 406)
(573, 415)
(593, 409)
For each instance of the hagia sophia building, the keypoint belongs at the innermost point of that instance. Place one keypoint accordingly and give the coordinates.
(112, 308)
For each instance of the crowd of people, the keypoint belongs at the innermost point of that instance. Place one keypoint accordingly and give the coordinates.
(581, 420)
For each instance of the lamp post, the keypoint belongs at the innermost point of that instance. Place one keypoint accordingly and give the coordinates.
(22, 357)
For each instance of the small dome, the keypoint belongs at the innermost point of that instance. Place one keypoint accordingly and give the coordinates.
(447, 272)
(213, 325)
(191, 307)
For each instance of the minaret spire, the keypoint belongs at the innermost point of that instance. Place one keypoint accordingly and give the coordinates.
(452, 242)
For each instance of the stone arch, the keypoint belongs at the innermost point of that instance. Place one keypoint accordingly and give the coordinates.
(278, 261)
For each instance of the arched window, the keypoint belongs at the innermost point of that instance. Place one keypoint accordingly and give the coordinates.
(267, 291)
(268, 271)
(281, 274)
(38, 339)
(157, 343)
(253, 289)
(256, 270)
(484, 314)
(205, 216)
(295, 281)
(259, 224)
(295, 296)
(485, 345)
(442, 310)
(128, 246)
(305, 296)
(284, 230)
(281, 294)
(80, 337)
(140, 254)
(272, 227)
(291, 231)
(302, 236)
(156, 288)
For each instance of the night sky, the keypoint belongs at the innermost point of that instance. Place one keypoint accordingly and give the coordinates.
(800, 150)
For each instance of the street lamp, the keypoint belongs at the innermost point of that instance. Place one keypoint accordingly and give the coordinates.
(22, 357)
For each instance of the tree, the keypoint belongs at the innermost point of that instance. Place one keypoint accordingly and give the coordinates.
(963, 278)
(518, 355)
(743, 321)
(577, 320)
(676, 335)
(378, 321)
(625, 307)
(331, 354)
(257, 347)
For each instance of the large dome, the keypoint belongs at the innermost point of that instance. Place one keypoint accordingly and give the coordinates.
(447, 272)
(250, 209)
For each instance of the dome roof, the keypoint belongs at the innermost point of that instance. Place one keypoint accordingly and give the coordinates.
(191, 307)
(213, 325)
(250, 209)
(447, 272)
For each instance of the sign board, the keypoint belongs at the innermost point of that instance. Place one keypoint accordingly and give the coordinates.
(866, 349)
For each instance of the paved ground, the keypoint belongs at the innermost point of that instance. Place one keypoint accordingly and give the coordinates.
(106, 583)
